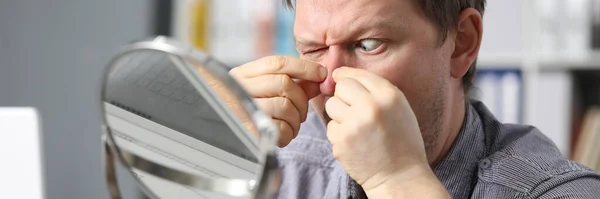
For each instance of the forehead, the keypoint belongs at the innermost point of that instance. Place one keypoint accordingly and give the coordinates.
(337, 17)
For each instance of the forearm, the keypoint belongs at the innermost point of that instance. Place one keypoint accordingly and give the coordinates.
(419, 183)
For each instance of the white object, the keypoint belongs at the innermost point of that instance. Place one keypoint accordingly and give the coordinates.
(21, 170)
(511, 91)
(501, 33)
(233, 31)
(488, 83)
(552, 111)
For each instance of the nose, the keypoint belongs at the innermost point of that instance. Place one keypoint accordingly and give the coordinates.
(327, 87)
(335, 58)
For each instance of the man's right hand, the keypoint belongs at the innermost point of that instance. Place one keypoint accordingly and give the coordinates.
(282, 86)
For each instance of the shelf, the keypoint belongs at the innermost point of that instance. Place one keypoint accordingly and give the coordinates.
(589, 61)
(499, 61)
(547, 62)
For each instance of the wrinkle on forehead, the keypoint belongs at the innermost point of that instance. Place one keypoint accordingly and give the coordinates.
(330, 5)
(330, 21)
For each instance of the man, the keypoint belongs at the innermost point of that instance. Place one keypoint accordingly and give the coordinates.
(393, 77)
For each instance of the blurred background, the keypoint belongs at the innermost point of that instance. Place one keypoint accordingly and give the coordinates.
(539, 64)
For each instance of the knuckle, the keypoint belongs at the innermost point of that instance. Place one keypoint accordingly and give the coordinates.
(305, 66)
(286, 133)
(400, 95)
(262, 104)
(287, 105)
(389, 99)
(393, 97)
(373, 111)
(286, 83)
(267, 106)
(349, 138)
(277, 62)
(355, 127)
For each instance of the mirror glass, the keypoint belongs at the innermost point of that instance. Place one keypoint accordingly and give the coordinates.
(170, 113)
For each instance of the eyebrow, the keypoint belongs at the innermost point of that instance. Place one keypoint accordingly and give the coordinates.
(299, 43)
(379, 25)
(367, 30)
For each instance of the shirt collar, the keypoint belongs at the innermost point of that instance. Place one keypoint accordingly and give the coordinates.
(458, 170)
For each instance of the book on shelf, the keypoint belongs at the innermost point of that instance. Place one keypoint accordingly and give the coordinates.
(586, 114)
(501, 92)
(595, 24)
(236, 32)
(549, 103)
(587, 148)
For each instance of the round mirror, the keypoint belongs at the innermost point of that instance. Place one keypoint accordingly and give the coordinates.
(184, 127)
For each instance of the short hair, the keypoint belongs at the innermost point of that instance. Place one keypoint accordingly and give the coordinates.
(444, 14)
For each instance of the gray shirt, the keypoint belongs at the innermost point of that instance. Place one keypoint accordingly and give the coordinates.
(488, 160)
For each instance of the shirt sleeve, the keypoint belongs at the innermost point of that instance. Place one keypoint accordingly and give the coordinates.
(580, 185)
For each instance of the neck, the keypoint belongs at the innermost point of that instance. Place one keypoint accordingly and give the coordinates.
(456, 119)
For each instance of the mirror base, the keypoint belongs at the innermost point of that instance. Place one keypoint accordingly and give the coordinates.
(110, 171)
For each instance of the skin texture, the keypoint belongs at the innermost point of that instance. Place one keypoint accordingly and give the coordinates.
(392, 90)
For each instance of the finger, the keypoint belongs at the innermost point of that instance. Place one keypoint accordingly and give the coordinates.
(286, 134)
(294, 67)
(351, 92)
(333, 129)
(268, 86)
(371, 81)
(281, 108)
(311, 89)
(336, 109)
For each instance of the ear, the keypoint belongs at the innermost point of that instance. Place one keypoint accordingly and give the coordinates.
(467, 42)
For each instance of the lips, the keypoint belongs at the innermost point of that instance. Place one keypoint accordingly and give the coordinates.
(327, 87)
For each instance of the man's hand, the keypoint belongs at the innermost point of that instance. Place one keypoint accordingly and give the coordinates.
(375, 135)
(282, 86)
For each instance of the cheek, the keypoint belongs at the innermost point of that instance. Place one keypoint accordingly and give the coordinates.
(404, 68)
(418, 73)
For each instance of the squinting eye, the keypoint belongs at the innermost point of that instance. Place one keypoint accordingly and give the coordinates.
(368, 45)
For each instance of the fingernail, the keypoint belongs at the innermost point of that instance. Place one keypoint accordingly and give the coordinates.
(323, 73)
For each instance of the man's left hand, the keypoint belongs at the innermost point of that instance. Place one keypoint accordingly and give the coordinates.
(374, 132)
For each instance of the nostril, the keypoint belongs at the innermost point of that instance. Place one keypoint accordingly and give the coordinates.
(328, 86)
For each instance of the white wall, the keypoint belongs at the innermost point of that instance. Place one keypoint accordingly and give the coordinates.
(52, 53)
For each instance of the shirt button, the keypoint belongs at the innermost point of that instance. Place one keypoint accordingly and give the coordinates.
(485, 164)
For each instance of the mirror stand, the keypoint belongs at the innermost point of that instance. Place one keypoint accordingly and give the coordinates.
(265, 189)
(270, 174)
(109, 168)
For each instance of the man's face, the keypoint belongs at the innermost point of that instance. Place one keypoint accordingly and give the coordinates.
(391, 38)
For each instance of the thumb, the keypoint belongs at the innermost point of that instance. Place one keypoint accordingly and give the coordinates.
(311, 89)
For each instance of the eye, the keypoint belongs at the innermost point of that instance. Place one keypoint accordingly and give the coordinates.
(313, 54)
(311, 51)
(369, 45)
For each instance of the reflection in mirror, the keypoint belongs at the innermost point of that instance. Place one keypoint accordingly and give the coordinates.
(229, 98)
(153, 111)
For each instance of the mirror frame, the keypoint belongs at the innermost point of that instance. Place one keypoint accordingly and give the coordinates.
(268, 179)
